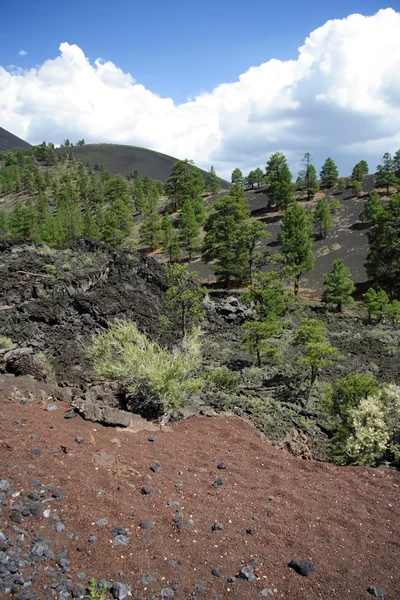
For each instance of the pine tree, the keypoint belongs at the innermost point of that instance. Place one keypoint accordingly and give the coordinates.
(150, 233)
(338, 287)
(396, 163)
(188, 229)
(360, 171)
(257, 338)
(322, 218)
(308, 177)
(259, 176)
(329, 173)
(383, 261)
(221, 239)
(237, 176)
(118, 188)
(251, 179)
(267, 295)
(296, 244)
(385, 173)
(279, 181)
(183, 298)
(372, 208)
(212, 181)
(118, 223)
(90, 228)
(317, 353)
(250, 236)
(357, 188)
(342, 184)
(168, 235)
(185, 183)
(376, 302)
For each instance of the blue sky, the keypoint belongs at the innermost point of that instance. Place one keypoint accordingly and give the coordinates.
(222, 82)
(174, 48)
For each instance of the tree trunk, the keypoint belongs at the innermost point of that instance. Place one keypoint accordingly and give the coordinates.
(296, 286)
(259, 359)
(183, 323)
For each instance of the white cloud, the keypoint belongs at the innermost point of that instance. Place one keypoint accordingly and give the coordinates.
(340, 97)
(22, 52)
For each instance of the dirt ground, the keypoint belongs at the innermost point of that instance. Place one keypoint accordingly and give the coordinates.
(273, 507)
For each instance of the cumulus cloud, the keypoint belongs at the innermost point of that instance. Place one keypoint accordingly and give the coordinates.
(339, 98)
(22, 52)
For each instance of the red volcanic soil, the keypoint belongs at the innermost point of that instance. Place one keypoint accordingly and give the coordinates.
(273, 507)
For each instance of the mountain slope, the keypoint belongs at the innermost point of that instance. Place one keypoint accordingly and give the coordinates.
(121, 159)
(9, 141)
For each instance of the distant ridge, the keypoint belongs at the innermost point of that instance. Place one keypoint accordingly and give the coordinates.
(9, 141)
(121, 159)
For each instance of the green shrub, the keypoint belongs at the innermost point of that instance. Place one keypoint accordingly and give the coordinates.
(66, 267)
(5, 342)
(157, 377)
(222, 379)
(47, 366)
(96, 591)
(50, 269)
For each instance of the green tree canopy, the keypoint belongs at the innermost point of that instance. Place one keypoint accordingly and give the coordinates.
(329, 173)
(386, 173)
(185, 183)
(212, 181)
(376, 302)
(279, 181)
(257, 338)
(307, 180)
(189, 229)
(150, 233)
(338, 286)
(184, 298)
(237, 176)
(296, 255)
(360, 171)
(322, 218)
(372, 208)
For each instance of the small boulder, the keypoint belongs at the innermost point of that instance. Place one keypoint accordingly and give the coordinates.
(302, 567)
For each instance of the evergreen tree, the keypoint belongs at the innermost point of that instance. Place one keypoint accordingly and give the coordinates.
(118, 188)
(259, 176)
(90, 228)
(250, 236)
(251, 179)
(67, 224)
(385, 173)
(212, 181)
(257, 338)
(383, 261)
(376, 302)
(267, 295)
(360, 171)
(279, 181)
(308, 177)
(20, 221)
(188, 229)
(329, 173)
(342, 184)
(117, 223)
(199, 209)
(185, 183)
(372, 208)
(296, 244)
(170, 239)
(338, 286)
(237, 176)
(396, 164)
(335, 205)
(183, 298)
(150, 234)
(316, 352)
(357, 187)
(44, 221)
(221, 239)
(322, 218)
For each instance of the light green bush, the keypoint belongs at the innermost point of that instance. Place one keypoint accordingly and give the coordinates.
(152, 373)
(6, 342)
(66, 267)
(222, 378)
(96, 591)
(47, 366)
(50, 269)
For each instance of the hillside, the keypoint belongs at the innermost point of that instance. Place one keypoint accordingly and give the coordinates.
(121, 159)
(9, 141)
(347, 240)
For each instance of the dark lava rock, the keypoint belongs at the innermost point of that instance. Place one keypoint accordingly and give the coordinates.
(101, 522)
(147, 524)
(71, 414)
(152, 438)
(146, 490)
(216, 572)
(167, 593)
(302, 567)
(145, 580)
(217, 526)
(119, 591)
(79, 440)
(376, 592)
(250, 531)
(92, 540)
(4, 485)
(222, 466)
(200, 588)
(247, 573)
(36, 452)
(155, 467)
(16, 516)
(218, 482)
